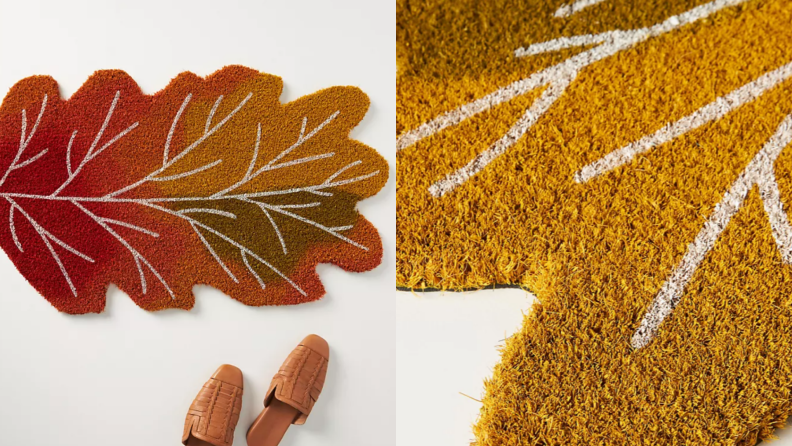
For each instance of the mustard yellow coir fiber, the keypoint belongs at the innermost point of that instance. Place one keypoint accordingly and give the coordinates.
(595, 254)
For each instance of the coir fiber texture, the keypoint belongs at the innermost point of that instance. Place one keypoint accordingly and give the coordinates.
(209, 181)
(628, 162)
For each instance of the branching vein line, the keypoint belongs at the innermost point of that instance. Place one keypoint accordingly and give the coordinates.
(113, 140)
(212, 113)
(130, 226)
(46, 236)
(108, 116)
(184, 152)
(297, 161)
(342, 170)
(274, 226)
(90, 155)
(252, 271)
(13, 229)
(609, 43)
(35, 126)
(188, 173)
(301, 139)
(32, 159)
(708, 113)
(214, 254)
(68, 153)
(331, 231)
(571, 8)
(139, 258)
(255, 153)
(207, 211)
(23, 140)
(759, 172)
(300, 206)
(173, 129)
(211, 132)
(228, 240)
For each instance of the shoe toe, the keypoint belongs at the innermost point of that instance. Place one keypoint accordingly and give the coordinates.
(317, 344)
(229, 375)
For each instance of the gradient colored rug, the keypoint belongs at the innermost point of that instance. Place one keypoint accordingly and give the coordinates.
(209, 181)
(628, 162)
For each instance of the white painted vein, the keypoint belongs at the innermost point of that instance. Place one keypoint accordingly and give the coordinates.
(92, 152)
(271, 165)
(571, 8)
(537, 109)
(608, 44)
(11, 226)
(708, 113)
(758, 172)
(136, 255)
(213, 253)
(46, 237)
(24, 139)
(252, 271)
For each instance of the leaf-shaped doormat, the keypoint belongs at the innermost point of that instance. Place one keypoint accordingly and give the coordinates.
(209, 181)
(630, 163)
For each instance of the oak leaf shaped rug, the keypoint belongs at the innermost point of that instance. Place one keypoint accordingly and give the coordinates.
(209, 181)
(629, 162)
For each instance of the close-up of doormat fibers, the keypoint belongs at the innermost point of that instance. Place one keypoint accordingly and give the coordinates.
(210, 181)
(628, 162)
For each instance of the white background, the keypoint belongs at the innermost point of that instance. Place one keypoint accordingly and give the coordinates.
(127, 377)
(447, 346)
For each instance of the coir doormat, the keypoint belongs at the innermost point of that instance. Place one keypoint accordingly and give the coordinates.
(629, 163)
(209, 181)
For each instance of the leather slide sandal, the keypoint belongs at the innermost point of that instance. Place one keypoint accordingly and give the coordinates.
(292, 393)
(214, 413)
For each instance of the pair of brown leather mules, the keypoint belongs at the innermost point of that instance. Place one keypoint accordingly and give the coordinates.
(214, 413)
